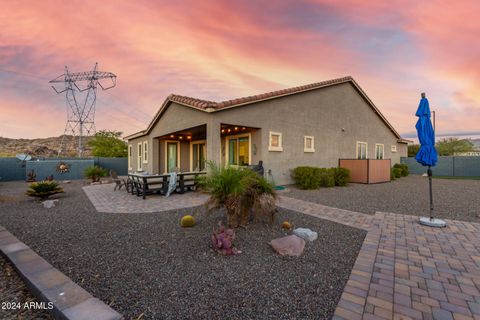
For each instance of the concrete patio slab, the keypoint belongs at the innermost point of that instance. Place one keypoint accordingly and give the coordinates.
(105, 199)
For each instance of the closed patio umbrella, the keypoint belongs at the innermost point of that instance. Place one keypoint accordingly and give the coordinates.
(427, 155)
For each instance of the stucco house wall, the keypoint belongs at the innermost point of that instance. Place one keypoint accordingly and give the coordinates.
(318, 113)
(337, 116)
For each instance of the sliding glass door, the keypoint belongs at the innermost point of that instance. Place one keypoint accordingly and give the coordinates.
(199, 152)
(238, 150)
(172, 156)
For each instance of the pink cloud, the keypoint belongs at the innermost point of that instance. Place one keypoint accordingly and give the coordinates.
(222, 50)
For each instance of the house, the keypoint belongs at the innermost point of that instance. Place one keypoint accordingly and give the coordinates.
(315, 124)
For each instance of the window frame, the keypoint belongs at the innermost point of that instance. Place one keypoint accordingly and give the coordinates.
(383, 151)
(145, 152)
(312, 148)
(393, 148)
(366, 150)
(130, 156)
(139, 156)
(179, 159)
(191, 152)
(227, 148)
(280, 141)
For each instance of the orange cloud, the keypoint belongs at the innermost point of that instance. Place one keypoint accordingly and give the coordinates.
(221, 50)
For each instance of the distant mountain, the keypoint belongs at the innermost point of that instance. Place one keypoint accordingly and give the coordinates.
(42, 147)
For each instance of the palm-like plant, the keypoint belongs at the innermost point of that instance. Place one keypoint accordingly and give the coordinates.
(44, 189)
(241, 191)
(95, 173)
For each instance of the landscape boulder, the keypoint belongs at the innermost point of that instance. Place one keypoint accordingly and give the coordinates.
(305, 234)
(49, 203)
(288, 246)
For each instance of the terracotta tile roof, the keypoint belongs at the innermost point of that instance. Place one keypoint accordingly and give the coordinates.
(204, 104)
(211, 106)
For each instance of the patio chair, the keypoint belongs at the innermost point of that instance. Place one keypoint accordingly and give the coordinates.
(119, 183)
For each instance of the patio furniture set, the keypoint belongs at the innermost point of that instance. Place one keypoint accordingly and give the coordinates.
(141, 184)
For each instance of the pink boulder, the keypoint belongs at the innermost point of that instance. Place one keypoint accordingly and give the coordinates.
(288, 246)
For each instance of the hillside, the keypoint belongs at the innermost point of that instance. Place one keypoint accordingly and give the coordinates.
(42, 147)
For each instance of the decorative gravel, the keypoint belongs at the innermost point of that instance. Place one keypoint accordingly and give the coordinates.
(145, 265)
(13, 296)
(453, 199)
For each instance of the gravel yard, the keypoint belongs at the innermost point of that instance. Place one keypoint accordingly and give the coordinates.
(453, 199)
(13, 296)
(145, 264)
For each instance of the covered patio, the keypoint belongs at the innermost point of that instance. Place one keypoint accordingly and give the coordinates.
(186, 150)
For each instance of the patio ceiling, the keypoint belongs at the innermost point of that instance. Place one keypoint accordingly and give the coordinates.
(190, 134)
(232, 129)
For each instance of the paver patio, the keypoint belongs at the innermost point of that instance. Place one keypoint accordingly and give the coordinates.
(405, 270)
(105, 199)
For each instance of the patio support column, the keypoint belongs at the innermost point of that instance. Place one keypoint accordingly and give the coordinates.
(213, 141)
(153, 156)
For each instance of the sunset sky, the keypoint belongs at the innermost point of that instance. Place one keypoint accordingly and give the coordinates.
(220, 50)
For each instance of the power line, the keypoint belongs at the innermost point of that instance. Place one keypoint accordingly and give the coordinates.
(24, 74)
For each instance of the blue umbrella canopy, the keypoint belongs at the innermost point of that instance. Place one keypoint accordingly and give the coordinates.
(427, 155)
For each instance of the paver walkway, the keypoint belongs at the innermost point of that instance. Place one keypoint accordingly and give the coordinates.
(105, 199)
(405, 270)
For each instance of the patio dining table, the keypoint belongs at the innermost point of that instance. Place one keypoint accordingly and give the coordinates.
(141, 184)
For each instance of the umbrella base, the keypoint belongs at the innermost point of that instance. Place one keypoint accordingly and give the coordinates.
(436, 223)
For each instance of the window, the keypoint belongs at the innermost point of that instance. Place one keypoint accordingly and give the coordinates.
(145, 151)
(275, 141)
(139, 157)
(130, 157)
(238, 150)
(308, 144)
(198, 153)
(361, 150)
(172, 156)
(394, 148)
(379, 151)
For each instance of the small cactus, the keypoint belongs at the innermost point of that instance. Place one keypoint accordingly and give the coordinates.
(187, 221)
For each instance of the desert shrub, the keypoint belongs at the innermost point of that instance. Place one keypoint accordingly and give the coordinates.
(43, 189)
(306, 177)
(95, 173)
(397, 172)
(341, 176)
(392, 174)
(242, 192)
(403, 168)
(327, 177)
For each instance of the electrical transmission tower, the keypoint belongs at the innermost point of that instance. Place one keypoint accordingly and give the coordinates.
(81, 93)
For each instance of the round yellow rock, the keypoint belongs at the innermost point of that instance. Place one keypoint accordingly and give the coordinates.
(187, 221)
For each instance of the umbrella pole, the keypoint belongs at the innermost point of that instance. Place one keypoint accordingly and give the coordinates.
(429, 172)
(431, 222)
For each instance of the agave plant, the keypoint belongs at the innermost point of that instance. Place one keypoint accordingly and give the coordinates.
(44, 189)
(242, 192)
